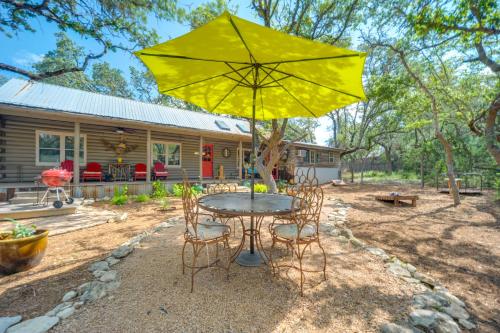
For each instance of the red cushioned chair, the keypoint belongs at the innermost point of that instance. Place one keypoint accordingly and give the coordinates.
(159, 171)
(92, 172)
(67, 165)
(140, 171)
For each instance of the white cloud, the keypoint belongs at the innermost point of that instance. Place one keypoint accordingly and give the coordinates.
(25, 58)
(322, 132)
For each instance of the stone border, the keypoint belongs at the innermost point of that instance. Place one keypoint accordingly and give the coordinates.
(435, 308)
(106, 280)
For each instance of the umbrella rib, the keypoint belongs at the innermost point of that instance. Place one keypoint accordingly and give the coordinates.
(293, 96)
(315, 83)
(230, 91)
(192, 58)
(311, 59)
(203, 80)
(267, 74)
(242, 40)
(237, 72)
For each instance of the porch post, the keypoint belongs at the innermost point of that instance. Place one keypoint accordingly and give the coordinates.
(240, 158)
(201, 158)
(76, 155)
(148, 156)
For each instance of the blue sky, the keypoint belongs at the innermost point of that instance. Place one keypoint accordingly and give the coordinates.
(27, 48)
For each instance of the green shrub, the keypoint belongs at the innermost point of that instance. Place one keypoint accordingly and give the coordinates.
(142, 198)
(178, 188)
(159, 190)
(246, 183)
(120, 196)
(497, 186)
(260, 188)
(165, 203)
(281, 184)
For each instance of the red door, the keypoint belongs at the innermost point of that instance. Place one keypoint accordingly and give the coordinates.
(208, 161)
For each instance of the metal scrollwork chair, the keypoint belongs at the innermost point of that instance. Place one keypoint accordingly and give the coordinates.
(225, 219)
(302, 231)
(202, 233)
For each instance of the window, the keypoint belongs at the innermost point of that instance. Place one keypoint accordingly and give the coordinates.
(222, 125)
(54, 147)
(312, 156)
(243, 128)
(331, 157)
(167, 153)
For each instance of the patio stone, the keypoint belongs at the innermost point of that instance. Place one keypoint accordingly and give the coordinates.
(99, 266)
(122, 251)
(58, 309)
(398, 270)
(424, 318)
(6, 322)
(96, 289)
(378, 252)
(36, 325)
(445, 324)
(452, 298)
(69, 295)
(428, 300)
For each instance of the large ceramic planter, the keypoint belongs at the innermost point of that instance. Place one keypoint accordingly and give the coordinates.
(17, 255)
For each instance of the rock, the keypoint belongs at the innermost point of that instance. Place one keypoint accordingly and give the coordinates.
(342, 239)
(112, 261)
(356, 242)
(98, 274)
(410, 279)
(445, 324)
(88, 202)
(108, 276)
(58, 309)
(325, 227)
(411, 268)
(347, 233)
(122, 251)
(99, 266)
(456, 311)
(398, 270)
(123, 217)
(424, 279)
(111, 220)
(105, 198)
(465, 323)
(452, 298)
(423, 317)
(63, 314)
(77, 305)
(36, 325)
(378, 252)
(429, 300)
(69, 295)
(96, 289)
(6, 322)
(395, 328)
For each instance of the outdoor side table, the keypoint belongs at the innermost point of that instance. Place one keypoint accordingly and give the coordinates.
(119, 171)
(240, 204)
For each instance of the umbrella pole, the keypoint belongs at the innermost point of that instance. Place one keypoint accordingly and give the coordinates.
(252, 179)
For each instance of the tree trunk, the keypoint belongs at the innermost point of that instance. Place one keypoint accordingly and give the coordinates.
(422, 161)
(351, 169)
(363, 162)
(489, 130)
(387, 152)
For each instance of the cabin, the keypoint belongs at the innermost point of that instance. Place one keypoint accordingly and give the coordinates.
(42, 124)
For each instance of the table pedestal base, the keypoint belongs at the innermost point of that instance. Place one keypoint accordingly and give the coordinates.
(248, 259)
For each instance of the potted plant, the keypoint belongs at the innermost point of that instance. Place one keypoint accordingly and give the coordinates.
(22, 248)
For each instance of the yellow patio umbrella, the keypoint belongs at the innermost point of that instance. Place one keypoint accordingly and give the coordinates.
(236, 67)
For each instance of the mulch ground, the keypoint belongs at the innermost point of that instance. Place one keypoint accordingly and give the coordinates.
(459, 246)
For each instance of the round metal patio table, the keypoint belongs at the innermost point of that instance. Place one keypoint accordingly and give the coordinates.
(240, 204)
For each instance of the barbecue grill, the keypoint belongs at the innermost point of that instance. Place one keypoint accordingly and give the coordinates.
(55, 180)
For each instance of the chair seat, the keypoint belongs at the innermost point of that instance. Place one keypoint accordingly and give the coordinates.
(161, 173)
(92, 173)
(209, 229)
(289, 231)
(140, 172)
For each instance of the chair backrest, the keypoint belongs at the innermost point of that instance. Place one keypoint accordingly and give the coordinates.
(94, 167)
(67, 165)
(189, 204)
(140, 167)
(219, 188)
(307, 202)
(158, 166)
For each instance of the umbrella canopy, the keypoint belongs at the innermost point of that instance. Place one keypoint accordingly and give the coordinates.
(227, 64)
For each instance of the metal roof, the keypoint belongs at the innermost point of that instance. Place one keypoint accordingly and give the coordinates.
(50, 97)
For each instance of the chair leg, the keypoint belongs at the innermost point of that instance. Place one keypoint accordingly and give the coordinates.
(302, 275)
(271, 258)
(183, 257)
(195, 255)
(324, 259)
(228, 257)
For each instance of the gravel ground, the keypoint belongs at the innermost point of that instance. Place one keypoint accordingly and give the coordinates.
(154, 296)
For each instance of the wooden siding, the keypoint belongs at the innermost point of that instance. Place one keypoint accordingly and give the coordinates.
(18, 147)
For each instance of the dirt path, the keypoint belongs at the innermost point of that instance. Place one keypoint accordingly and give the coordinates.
(458, 246)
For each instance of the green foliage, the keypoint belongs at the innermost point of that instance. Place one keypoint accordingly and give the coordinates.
(159, 190)
(120, 196)
(109, 81)
(21, 231)
(165, 203)
(497, 186)
(178, 188)
(206, 12)
(260, 188)
(281, 184)
(142, 198)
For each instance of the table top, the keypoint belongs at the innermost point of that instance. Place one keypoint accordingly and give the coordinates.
(240, 204)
